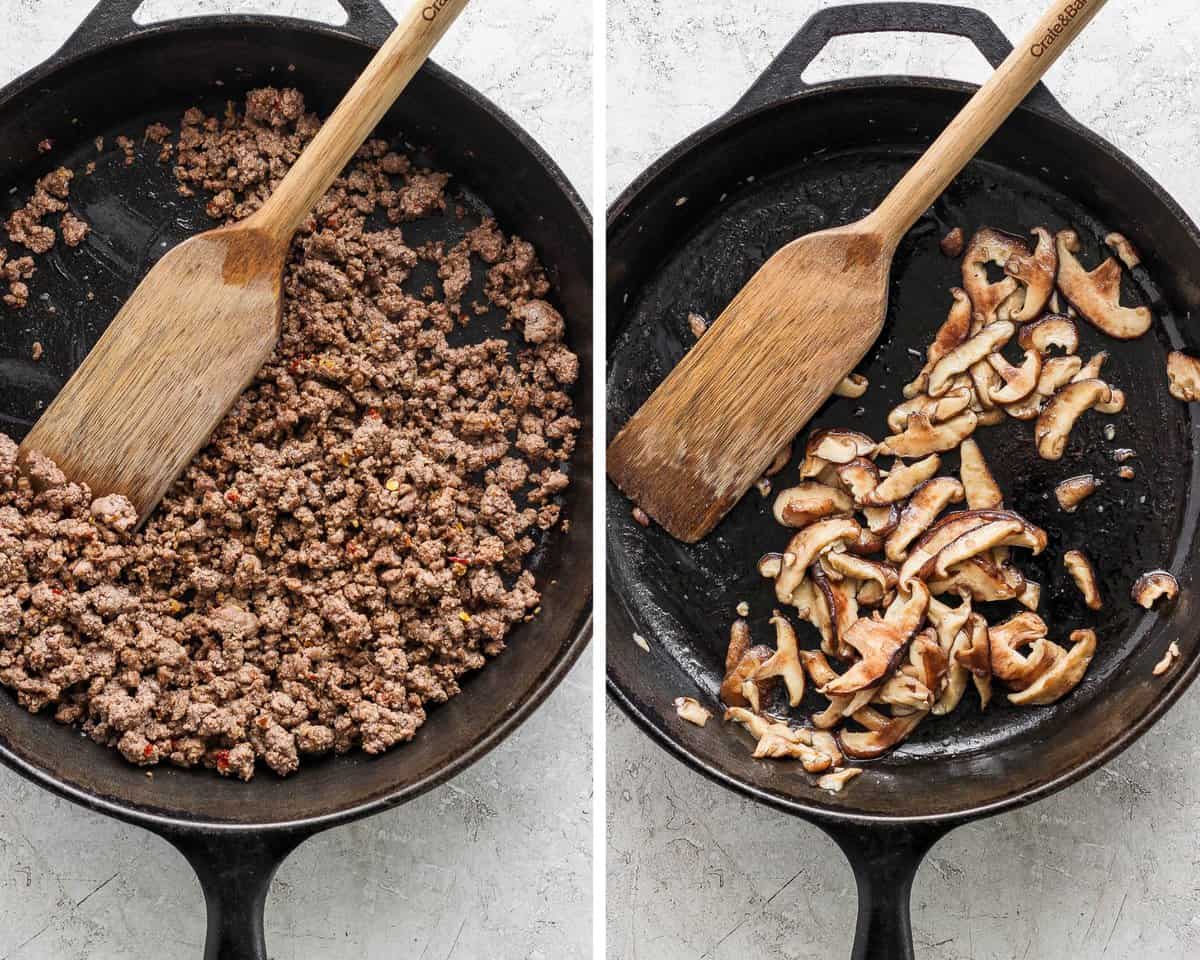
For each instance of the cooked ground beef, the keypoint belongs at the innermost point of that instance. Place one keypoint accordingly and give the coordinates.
(354, 537)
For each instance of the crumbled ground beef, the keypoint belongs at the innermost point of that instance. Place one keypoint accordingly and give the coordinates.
(354, 537)
(25, 227)
(73, 229)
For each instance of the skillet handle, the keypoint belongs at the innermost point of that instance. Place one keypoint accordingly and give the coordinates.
(784, 76)
(235, 872)
(885, 860)
(112, 20)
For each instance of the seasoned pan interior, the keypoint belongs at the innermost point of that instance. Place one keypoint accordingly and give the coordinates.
(682, 599)
(137, 215)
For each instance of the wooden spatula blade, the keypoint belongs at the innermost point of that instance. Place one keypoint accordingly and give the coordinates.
(753, 380)
(168, 368)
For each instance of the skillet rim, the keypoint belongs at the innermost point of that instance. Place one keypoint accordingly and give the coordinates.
(580, 632)
(1171, 690)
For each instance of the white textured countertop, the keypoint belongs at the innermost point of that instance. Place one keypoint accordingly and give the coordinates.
(495, 864)
(1106, 868)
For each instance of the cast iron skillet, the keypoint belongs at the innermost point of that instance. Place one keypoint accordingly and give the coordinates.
(789, 159)
(114, 77)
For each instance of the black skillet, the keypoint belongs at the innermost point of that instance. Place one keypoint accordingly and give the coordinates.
(114, 77)
(788, 159)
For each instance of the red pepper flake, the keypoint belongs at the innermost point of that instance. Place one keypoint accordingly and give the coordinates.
(374, 413)
(465, 561)
(56, 591)
(148, 750)
(232, 496)
(222, 760)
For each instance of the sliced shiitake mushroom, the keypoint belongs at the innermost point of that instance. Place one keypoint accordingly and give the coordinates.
(947, 529)
(980, 577)
(929, 500)
(1005, 641)
(1071, 492)
(879, 644)
(979, 486)
(908, 693)
(809, 501)
(959, 360)
(741, 661)
(804, 548)
(833, 447)
(947, 621)
(1084, 574)
(1011, 531)
(853, 386)
(861, 568)
(1150, 586)
(953, 331)
(1030, 594)
(837, 781)
(1020, 381)
(882, 734)
(957, 677)
(921, 438)
(1036, 272)
(1167, 661)
(1097, 294)
(1065, 407)
(1183, 376)
(991, 246)
(1057, 372)
(1119, 244)
(1051, 331)
(901, 482)
(841, 600)
(690, 709)
(927, 662)
(1062, 676)
(1091, 369)
(1115, 404)
(784, 662)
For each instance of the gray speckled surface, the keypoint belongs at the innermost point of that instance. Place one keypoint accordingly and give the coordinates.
(497, 863)
(1104, 869)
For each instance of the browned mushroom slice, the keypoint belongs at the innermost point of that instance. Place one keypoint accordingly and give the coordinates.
(882, 520)
(759, 726)
(921, 438)
(1080, 568)
(1057, 372)
(689, 709)
(1097, 294)
(809, 501)
(980, 577)
(976, 656)
(991, 246)
(841, 600)
(1063, 676)
(833, 447)
(1183, 376)
(861, 568)
(947, 620)
(1014, 532)
(1052, 330)
(879, 644)
(812, 607)
(780, 461)
(1168, 660)
(1114, 405)
(957, 678)
(769, 565)
(1091, 369)
(1126, 252)
(1030, 595)
(784, 662)
(947, 529)
(953, 331)
(927, 661)
(775, 747)
(908, 693)
(984, 382)
(870, 594)
(741, 661)
(930, 499)
(1150, 586)
(978, 484)
(852, 386)
(860, 476)
(1065, 407)
(1020, 381)
(868, 543)
(883, 734)
(1071, 492)
(959, 360)
(907, 612)
(901, 482)
(1036, 272)
(805, 547)
(1005, 641)
(952, 243)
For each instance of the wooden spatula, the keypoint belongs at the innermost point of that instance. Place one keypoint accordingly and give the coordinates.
(777, 352)
(206, 318)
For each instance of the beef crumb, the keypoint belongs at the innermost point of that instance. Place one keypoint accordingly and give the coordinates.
(73, 229)
(355, 536)
(37, 350)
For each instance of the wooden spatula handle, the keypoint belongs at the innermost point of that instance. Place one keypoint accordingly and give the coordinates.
(983, 115)
(386, 76)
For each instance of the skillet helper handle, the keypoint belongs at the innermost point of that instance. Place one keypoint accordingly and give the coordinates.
(235, 873)
(983, 115)
(401, 56)
(784, 76)
(885, 862)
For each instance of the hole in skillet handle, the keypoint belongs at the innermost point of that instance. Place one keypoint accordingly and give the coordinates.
(112, 21)
(885, 859)
(235, 870)
(783, 77)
